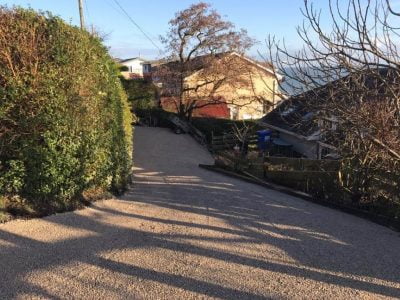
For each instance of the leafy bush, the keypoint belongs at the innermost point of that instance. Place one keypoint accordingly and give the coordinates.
(65, 123)
(155, 117)
(123, 68)
(142, 93)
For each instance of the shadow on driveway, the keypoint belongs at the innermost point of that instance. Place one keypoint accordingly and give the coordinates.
(187, 230)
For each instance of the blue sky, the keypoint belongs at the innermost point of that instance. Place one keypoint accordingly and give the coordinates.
(259, 17)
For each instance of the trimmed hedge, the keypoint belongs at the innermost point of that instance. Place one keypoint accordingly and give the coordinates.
(142, 93)
(155, 117)
(65, 123)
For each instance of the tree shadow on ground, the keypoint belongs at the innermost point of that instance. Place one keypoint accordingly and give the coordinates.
(318, 238)
(30, 255)
(208, 216)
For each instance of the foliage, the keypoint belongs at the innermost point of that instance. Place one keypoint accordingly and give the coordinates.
(123, 68)
(322, 179)
(142, 93)
(154, 117)
(351, 75)
(65, 123)
(200, 40)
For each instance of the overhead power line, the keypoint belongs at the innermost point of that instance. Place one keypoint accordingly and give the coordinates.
(137, 25)
(88, 17)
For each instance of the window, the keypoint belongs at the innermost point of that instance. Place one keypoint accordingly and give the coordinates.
(147, 68)
(325, 152)
(247, 117)
(288, 111)
(308, 116)
(328, 123)
(234, 113)
(186, 88)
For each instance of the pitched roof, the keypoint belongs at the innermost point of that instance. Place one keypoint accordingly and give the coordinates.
(133, 58)
(198, 62)
(266, 66)
(296, 114)
(292, 115)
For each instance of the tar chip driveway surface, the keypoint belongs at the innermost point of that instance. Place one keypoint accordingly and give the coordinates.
(186, 233)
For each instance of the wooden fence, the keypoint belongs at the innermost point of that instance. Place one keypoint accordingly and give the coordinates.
(301, 164)
(318, 177)
(325, 180)
(228, 141)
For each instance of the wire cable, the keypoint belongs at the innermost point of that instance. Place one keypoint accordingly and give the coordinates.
(137, 25)
(87, 10)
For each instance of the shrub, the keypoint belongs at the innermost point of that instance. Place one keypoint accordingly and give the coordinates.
(65, 124)
(123, 68)
(142, 94)
(155, 117)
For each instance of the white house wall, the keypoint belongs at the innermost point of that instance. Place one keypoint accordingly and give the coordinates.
(134, 66)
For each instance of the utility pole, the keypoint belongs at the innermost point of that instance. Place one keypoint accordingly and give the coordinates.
(81, 14)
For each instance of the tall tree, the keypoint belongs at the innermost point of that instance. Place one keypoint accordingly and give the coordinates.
(355, 68)
(199, 40)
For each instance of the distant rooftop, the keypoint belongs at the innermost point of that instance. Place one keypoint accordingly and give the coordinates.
(133, 58)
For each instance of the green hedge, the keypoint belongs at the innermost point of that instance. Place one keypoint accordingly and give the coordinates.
(65, 123)
(142, 93)
(155, 117)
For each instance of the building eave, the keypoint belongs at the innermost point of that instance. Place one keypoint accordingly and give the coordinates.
(143, 61)
(258, 65)
(299, 136)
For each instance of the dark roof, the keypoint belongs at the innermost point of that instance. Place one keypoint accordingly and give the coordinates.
(297, 113)
(292, 115)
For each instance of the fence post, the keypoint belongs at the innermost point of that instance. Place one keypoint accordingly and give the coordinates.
(212, 140)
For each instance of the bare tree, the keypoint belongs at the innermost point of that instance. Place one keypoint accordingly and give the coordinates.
(243, 135)
(352, 73)
(202, 44)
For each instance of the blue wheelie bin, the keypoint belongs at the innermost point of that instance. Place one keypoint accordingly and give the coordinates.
(263, 137)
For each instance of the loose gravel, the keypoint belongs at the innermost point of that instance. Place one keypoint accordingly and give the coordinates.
(182, 232)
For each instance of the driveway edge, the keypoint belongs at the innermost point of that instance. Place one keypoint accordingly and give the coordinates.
(378, 219)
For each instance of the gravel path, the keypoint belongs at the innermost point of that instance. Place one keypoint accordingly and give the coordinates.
(186, 233)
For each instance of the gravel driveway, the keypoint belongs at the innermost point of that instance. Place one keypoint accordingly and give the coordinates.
(186, 233)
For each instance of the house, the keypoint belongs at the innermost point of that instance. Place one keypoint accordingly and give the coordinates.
(292, 123)
(136, 68)
(226, 85)
(303, 122)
